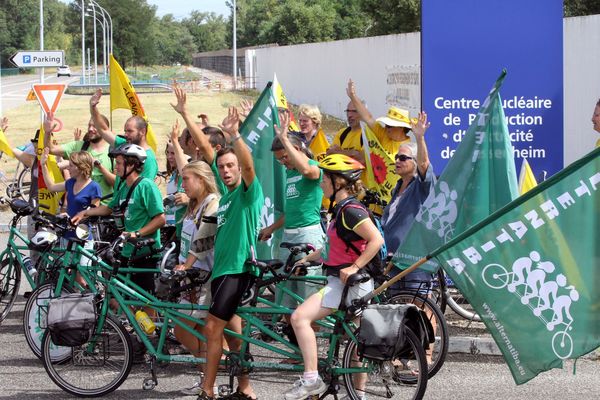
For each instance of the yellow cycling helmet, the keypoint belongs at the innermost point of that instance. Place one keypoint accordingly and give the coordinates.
(343, 165)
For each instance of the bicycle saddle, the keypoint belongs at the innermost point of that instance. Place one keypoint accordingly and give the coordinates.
(360, 277)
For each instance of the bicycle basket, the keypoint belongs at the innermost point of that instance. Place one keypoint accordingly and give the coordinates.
(382, 326)
(71, 319)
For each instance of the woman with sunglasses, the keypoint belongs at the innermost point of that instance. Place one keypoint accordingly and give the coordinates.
(416, 181)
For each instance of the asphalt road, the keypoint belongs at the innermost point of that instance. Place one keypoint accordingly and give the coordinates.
(22, 375)
(15, 88)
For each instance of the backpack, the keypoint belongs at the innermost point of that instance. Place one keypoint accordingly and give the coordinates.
(345, 133)
(376, 266)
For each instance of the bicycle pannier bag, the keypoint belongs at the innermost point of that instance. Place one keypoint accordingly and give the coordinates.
(381, 332)
(71, 319)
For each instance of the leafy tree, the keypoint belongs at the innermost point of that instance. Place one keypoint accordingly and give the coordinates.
(574, 8)
(209, 30)
(173, 41)
(392, 16)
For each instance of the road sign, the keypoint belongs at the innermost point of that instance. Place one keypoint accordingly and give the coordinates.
(49, 96)
(36, 59)
(31, 96)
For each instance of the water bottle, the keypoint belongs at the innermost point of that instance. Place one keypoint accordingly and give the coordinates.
(145, 322)
(30, 267)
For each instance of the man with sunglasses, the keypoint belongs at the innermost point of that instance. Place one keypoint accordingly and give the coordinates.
(416, 181)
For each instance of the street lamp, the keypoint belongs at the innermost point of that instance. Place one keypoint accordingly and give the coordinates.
(104, 36)
(106, 14)
(234, 47)
(82, 7)
(95, 45)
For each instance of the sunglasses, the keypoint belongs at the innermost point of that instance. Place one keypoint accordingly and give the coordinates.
(402, 157)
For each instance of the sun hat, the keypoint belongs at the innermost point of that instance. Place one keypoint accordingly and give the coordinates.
(396, 117)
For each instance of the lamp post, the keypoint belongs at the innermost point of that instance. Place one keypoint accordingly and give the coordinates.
(82, 39)
(105, 14)
(104, 44)
(234, 47)
(95, 46)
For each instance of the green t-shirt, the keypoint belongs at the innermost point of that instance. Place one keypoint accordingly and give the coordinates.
(145, 203)
(101, 156)
(150, 165)
(303, 198)
(238, 224)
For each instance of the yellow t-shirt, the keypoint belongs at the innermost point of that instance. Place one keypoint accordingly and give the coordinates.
(390, 146)
(351, 140)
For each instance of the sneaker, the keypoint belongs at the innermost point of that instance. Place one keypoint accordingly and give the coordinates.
(302, 389)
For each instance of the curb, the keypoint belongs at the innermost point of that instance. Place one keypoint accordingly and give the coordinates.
(488, 347)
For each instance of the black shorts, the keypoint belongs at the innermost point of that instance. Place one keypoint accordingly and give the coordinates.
(145, 280)
(227, 291)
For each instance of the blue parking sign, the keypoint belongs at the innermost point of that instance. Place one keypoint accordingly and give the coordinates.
(26, 59)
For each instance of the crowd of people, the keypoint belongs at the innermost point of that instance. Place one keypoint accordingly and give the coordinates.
(213, 204)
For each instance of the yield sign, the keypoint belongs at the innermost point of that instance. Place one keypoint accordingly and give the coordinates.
(49, 96)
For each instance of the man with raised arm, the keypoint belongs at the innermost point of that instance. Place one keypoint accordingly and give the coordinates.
(237, 231)
(135, 130)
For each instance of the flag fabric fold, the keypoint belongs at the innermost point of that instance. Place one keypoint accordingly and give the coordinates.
(479, 179)
(50, 200)
(123, 95)
(258, 133)
(4, 146)
(531, 272)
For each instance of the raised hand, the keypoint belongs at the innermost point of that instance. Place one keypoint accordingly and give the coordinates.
(245, 106)
(181, 96)
(95, 99)
(174, 134)
(284, 123)
(230, 124)
(351, 89)
(419, 127)
(49, 123)
(77, 134)
(4, 124)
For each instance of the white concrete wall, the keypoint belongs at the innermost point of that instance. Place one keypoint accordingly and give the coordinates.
(317, 73)
(581, 84)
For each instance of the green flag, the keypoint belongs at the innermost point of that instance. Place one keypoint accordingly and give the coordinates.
(531, 271)
(479, 179)
(258, 133)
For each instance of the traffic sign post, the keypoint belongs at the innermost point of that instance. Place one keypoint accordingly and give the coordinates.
(38, 59)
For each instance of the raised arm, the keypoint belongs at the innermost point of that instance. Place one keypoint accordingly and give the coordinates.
(53, 187)
(199, 137)
(230, 128)
(49, 126)
(180, 158)
(418, 129)
(99, 122)
(298, 159)
(363, 112)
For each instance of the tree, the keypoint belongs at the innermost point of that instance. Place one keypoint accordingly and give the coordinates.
(392, 16)
(574, 8)
(173, 41)
(209, 30)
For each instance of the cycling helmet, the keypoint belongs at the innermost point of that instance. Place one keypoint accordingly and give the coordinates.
(42, 240)
(342, 165)
(129, 150)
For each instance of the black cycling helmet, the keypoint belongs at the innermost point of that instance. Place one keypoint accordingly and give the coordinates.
(129, 150)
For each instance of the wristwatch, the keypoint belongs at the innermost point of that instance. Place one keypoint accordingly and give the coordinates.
(137, 234)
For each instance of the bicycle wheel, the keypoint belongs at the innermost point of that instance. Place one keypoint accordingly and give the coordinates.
(10, 279)
(96, 368)
(405, 377)
(438, 286)
(439, 349)
(34, 322)
(24, 183)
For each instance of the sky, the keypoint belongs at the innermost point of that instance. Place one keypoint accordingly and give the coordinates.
(182, 8)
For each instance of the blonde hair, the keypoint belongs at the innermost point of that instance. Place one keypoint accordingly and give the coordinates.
(311, 112)
(83, 161)
(202, 171)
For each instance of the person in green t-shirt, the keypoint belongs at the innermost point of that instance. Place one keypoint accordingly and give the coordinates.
(135, 130)
(237, 230)
(301, 219)
(98, 149)
(139, 201)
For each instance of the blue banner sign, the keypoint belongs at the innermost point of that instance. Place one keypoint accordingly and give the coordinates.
(465, 46)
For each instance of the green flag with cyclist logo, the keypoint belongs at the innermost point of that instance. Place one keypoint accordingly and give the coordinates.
(531, 271)
(258, 133)
(479, 179)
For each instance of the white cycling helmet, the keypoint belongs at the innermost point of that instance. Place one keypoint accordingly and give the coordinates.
(129, 150)
(43, 239)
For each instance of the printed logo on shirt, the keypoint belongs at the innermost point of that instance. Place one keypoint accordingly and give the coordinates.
(292, 192)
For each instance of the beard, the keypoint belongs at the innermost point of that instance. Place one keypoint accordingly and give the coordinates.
(95, 139)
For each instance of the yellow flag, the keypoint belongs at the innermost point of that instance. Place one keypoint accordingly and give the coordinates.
(381, 167)
(4, 146)
(45, 197)
(319, 145)
(526, 178)
(281, 102)
(123, 95)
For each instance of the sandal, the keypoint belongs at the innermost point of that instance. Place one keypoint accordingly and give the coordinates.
(204, 396)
